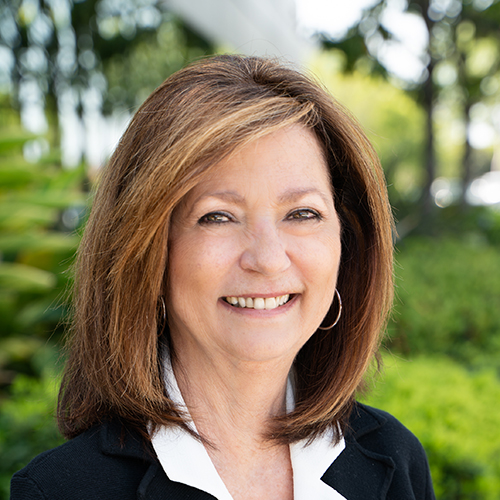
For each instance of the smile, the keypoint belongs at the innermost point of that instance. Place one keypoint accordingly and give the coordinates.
(258, 302)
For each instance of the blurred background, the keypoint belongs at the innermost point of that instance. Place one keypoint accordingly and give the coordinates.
(422, 77)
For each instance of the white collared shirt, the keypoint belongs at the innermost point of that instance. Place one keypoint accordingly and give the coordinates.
(180, 454)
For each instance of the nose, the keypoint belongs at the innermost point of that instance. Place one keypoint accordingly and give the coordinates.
(265, 252)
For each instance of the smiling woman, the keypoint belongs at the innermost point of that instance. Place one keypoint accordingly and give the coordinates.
(241, 213)
(258, 239)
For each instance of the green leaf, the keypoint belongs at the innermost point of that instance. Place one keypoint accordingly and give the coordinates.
(13, 141)
(24, 278)
(12, 176)
(19, 216)
(49, 241)
(54, 198)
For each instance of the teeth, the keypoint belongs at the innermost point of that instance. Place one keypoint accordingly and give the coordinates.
(258, 302)
(271, 303)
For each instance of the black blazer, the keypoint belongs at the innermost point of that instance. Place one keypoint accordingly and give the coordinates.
(382, 461)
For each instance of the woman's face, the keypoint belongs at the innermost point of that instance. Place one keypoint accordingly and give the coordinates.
(254, 253)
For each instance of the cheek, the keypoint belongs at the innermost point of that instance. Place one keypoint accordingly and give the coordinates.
(319, 259)
(199, 266)
(326, 272)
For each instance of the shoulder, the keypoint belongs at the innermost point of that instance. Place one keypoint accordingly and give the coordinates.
(378, 430)
(381, 433)
(382, 459)
(83, 464)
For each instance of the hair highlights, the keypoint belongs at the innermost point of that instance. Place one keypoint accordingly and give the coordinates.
(193, 120)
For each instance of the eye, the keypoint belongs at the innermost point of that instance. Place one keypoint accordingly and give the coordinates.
(215, 218)
(304, 214)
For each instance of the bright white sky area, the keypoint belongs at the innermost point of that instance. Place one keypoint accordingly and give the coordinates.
(331, 16)
(404, 56)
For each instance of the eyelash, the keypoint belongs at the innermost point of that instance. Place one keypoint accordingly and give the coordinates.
(210, 218)
(206, 218)
(312, 215)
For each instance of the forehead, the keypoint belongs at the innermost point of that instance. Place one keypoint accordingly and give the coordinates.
(288, 159)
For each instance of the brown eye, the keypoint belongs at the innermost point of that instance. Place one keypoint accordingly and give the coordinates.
(304, 214)
(214, 218)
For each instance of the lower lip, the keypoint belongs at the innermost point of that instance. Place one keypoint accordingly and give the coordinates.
(249, 311)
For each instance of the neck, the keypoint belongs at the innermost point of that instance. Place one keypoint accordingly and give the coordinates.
(232, 400)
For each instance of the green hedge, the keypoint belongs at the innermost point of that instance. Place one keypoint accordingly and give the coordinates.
(27, 424)
(42, 205)
(448, 300)
(456, 416)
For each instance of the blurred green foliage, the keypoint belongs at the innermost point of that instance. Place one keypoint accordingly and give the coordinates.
(458, 85)
(455, 415)
(41, 206)
(393, 122)
(91, 54)
(27, 424)
(448, 299)
(132, 73)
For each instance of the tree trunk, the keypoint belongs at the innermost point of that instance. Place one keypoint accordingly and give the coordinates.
(428, 104)
(429, 155)
(466, 159)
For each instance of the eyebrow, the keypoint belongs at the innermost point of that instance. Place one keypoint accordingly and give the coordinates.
(297, 194)
(222, 195)
(286, 197)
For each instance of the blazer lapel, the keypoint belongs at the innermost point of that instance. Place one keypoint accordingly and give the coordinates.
(116, 440)
(359, 474)
(156, 486)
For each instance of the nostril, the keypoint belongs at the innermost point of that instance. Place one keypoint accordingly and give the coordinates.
(266, 256)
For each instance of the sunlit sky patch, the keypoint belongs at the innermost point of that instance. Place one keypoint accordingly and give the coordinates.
(404, 56)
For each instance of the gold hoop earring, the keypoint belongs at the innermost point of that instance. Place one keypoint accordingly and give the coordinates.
(338, 315)
(164, 314)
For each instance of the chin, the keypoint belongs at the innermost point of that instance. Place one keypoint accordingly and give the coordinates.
(266, 346)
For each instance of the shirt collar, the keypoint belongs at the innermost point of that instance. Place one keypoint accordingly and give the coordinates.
(179, 454)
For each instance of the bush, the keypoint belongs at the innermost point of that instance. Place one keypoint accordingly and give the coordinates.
(27, 425)
(455, 415)
(448, 296)
(41, 207)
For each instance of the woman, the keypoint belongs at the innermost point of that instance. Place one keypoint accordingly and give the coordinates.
(232, 284)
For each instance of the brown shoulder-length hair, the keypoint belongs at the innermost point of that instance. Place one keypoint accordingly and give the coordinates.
(195, 118)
